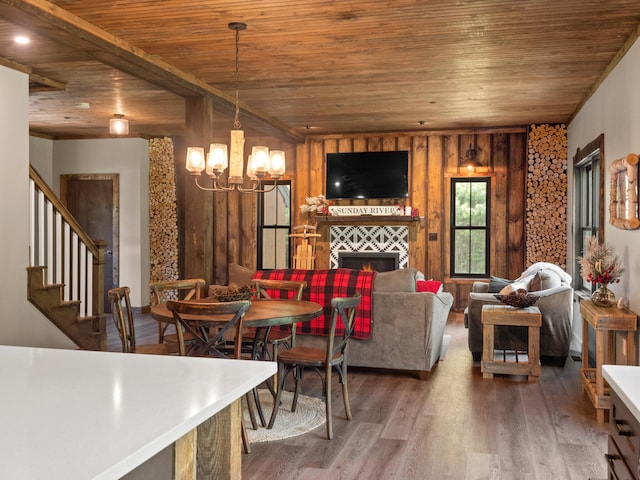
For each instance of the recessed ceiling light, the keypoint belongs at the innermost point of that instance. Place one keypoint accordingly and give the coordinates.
(83, 105)
(21, 40)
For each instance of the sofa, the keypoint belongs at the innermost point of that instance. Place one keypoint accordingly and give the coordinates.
(553, 288)
(407, 326)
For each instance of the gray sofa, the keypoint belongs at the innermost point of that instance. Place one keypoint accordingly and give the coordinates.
(407, 329)
(556, 306)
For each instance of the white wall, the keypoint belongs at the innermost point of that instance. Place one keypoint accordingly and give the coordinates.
(614, 110)
(128, 157)
(41, 157)
(20, 322)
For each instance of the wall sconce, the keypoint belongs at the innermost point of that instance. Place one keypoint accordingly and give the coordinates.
(470, 161)
(118, 125)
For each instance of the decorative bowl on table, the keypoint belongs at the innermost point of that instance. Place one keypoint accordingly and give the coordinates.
(232, 293)
(518, 299)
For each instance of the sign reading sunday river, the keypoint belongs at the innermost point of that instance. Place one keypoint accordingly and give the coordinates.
(366, 210)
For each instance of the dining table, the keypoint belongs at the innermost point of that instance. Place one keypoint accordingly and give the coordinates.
(263, 314)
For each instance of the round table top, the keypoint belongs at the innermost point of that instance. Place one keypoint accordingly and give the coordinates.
(263, 312)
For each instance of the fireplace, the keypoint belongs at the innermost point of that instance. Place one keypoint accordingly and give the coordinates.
(385, 245)
(378, 261)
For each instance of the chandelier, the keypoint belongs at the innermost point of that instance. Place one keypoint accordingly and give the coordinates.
(260, 163)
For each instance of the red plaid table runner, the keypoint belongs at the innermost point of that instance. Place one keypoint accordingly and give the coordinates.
(322, 286)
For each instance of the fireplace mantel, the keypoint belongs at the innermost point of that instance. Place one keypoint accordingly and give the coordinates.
(367, 219)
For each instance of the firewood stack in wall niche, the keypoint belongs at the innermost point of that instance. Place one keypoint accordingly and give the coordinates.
(546, 231)
(163, 216)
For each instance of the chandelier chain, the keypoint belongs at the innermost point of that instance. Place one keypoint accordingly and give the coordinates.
(236, 120)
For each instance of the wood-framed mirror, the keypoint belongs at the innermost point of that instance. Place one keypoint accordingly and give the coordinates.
(623, 193)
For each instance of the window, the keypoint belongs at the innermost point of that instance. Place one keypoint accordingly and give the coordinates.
(588, 186)
(274, 226)
(470, 227)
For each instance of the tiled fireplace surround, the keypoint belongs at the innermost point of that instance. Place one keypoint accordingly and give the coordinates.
(369, 240)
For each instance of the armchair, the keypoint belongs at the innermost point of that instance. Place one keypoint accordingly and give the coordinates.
(555, 302)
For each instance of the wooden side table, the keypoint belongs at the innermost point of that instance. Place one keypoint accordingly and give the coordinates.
(605, 322)
(529, 317)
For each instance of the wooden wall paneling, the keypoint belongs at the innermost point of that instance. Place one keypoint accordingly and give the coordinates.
(234, 231)
(516, 204)
(500, 188)
(374, 144)
(389, 143)
(316, 183)
(418, 246)
(198, 205)
(435, 201)
(220, 235)
(248, 231)
(345, 145)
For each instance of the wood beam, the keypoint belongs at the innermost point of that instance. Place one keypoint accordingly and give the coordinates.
(62, 26)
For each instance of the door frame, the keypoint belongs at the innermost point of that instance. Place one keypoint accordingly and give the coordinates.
(115, 211)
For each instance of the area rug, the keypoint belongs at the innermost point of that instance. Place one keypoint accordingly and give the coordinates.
(309, 415)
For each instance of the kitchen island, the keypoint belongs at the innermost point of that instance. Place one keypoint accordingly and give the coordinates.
(98, 415)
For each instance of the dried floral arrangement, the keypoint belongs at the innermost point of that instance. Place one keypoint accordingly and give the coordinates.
(600, 265)
(318, 205)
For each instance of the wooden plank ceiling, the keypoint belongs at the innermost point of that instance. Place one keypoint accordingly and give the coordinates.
(314, 66)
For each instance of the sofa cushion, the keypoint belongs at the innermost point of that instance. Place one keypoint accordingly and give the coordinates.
(496, 284)
(402, 280)
(544, 280)
(240, 275)
(513, 287)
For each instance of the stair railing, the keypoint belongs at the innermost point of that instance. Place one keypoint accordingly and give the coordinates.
(58, 242)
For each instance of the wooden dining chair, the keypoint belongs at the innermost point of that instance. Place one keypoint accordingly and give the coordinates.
(218, 324)
(257, 341)
(122, 314)
(334, 356)
(185, 289)
(276, 338)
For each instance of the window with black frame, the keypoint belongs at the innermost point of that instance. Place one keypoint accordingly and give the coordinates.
(470, 227)
(588, 187)
(274, 226)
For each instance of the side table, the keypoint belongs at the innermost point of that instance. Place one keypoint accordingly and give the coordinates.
(605, 322)
(529, 317)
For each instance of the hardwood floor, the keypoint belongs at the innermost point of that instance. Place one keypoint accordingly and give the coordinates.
(455, 425)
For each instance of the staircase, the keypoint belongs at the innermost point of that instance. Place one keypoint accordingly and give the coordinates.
(66, 272)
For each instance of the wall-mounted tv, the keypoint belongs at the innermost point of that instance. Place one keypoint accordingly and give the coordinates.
(367, 175)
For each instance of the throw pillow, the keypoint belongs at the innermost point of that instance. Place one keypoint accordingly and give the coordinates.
(433, 286)
(545, 279)
(402, 280)
(496, 284)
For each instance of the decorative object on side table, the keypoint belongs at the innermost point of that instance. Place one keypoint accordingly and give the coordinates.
(232, 293)
(601, 267)
(518, 299)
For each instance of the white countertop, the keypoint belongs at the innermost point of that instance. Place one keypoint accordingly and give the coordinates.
(625, 380)
(70, 414)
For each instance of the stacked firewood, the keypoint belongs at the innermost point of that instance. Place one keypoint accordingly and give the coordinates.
(547, 195)
(163, 218)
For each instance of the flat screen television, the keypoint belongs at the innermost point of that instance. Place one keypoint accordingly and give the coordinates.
(367, 175)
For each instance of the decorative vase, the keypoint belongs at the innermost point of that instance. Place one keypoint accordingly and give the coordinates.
(603, 297)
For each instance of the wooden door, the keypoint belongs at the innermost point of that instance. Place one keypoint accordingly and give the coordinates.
(94, 202)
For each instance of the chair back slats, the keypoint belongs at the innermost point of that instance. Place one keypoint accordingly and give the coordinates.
(209, 332)
(264, 286)
(186, 289)
(122, 314)
(343, 308)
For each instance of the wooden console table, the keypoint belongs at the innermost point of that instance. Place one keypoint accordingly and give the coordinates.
(605, 322)
(529, 317)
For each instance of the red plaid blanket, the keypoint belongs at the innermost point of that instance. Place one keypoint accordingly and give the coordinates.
(322, 286)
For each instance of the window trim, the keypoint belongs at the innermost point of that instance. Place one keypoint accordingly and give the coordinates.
(580, 159)
(452, 227)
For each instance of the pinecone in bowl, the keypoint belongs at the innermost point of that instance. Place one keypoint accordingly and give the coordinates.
(232, 293)
(518, 299)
